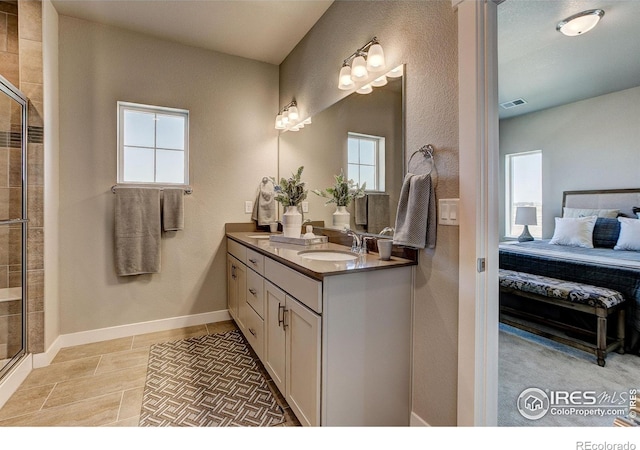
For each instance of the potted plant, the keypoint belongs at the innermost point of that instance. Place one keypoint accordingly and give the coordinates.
(290, 193)
(342, 193)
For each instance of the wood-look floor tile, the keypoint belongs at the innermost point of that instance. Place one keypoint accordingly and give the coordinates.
(55, 373)
(131, 403)
(90, 412)
(123, 360)
(25, 401)
(146, 340)
(93, 349)
(97, 385)
(130, 422)
(221, 327)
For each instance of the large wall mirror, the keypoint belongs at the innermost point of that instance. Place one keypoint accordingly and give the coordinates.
(363, 134)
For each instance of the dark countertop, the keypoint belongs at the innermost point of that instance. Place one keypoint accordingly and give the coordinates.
(287, 254)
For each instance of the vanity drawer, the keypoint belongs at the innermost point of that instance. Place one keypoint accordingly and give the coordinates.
(255, 292)
(237, 250)
(254, 331)
(255, 261)
(303, 288)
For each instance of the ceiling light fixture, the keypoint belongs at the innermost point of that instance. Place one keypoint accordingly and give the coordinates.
(367, 60)
(288, 118)
(580, 23)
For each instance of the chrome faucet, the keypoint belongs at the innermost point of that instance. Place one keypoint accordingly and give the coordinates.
(359, 243)
(388, 230)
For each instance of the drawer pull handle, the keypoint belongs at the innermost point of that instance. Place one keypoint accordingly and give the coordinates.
(284, 324)
(280, 321)
(252, 332)
(253, 261)
(253, 292)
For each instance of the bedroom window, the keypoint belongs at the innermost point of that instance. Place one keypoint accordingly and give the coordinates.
(365, 160)
(523, 173)
(153, 145)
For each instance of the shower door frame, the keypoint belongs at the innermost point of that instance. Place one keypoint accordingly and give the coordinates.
(14, 93)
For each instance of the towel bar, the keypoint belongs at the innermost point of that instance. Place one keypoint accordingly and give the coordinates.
(427, 152)
(187, 189)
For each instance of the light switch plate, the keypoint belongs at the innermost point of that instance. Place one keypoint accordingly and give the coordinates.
(305, 207)
(448, 211)
(248, 207)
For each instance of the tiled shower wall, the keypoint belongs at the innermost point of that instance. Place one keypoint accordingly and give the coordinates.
(21, 64)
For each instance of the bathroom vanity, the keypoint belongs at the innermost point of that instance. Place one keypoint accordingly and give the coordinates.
(334, 333)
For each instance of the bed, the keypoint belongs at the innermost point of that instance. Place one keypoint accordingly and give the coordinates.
(603, 266)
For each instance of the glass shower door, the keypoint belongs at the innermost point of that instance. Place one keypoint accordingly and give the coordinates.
(13, 126)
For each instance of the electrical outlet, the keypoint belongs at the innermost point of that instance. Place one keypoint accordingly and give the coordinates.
(305, 207)
(248, 207)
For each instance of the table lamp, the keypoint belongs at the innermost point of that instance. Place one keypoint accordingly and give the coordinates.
(526, 215)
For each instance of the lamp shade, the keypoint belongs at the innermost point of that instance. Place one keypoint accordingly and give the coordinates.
(344, 81)
(279, 124)
(293, 113)
(580, 23)
(375, 58)
(366, 89)
(359, 69)
(379, 82)
(526, 215)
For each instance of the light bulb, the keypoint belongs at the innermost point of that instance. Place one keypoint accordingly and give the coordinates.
(375, 58)
(293, 113)
(366, 89)
(380, 81)
(359, 69)
(344, 80)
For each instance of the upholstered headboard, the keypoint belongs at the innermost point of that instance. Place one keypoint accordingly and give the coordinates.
(622, 199)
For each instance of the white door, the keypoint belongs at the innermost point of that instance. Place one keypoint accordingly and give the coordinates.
(274, 346)
(303, 328)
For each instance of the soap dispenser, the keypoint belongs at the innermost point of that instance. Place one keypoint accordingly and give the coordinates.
(309, 234)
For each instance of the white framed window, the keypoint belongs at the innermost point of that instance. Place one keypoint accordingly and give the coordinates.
(523, 183)
(153, 145)
(365, 160)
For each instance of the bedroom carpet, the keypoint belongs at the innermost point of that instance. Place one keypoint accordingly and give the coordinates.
(207, 381)
(528, 360)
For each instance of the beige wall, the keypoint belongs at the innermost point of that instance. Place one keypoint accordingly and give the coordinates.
(424, 36)
(591, 144)
(232, 102)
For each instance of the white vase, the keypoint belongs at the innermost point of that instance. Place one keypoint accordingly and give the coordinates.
(292, 222)
(341, 218)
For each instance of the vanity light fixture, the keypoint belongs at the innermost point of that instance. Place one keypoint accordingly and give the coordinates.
(288, 118)
(366, 89)
(360, 64)
(580, 23)
(396, 72)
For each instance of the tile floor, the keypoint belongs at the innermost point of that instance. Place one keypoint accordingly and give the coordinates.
(100, 384)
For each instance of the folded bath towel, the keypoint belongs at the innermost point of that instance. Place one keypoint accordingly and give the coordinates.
(416, 217)
(377, 212)
(137, 231)
(264, 208)
(360, 206)
(172, 209)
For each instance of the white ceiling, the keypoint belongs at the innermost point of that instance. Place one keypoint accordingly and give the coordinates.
(263, 30)
(547, 69)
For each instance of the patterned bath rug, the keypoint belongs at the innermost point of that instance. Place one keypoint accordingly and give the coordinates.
(207, 381)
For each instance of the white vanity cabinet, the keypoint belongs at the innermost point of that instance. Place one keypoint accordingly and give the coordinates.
(336, 345)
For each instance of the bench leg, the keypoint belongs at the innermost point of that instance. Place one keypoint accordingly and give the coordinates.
(601, 351)
(621, 327)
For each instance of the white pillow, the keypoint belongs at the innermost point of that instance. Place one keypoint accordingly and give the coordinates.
(583, 212)
(574, 231)
(629, 238)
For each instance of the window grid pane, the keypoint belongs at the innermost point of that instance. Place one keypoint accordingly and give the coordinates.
(153, 144)
(362, 159)
(524, 172)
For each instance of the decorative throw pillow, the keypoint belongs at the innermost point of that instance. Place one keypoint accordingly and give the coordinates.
(629, 238)
(574, 231)
(585, 212)
(606, 232)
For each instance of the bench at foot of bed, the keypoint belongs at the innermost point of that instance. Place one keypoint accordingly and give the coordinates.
(598, 301)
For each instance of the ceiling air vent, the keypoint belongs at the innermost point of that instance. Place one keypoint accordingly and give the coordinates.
(513, 103)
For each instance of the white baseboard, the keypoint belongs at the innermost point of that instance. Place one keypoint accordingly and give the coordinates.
(11, 382)
(105, 334)
(417, 421)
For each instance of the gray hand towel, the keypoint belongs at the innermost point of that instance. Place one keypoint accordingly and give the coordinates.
(137, 231)
(416, 218)
(360, 206)
(173, 209)
(377, 212)
(264, 208)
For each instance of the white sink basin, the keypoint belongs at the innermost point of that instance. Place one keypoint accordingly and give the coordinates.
(328, 255)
